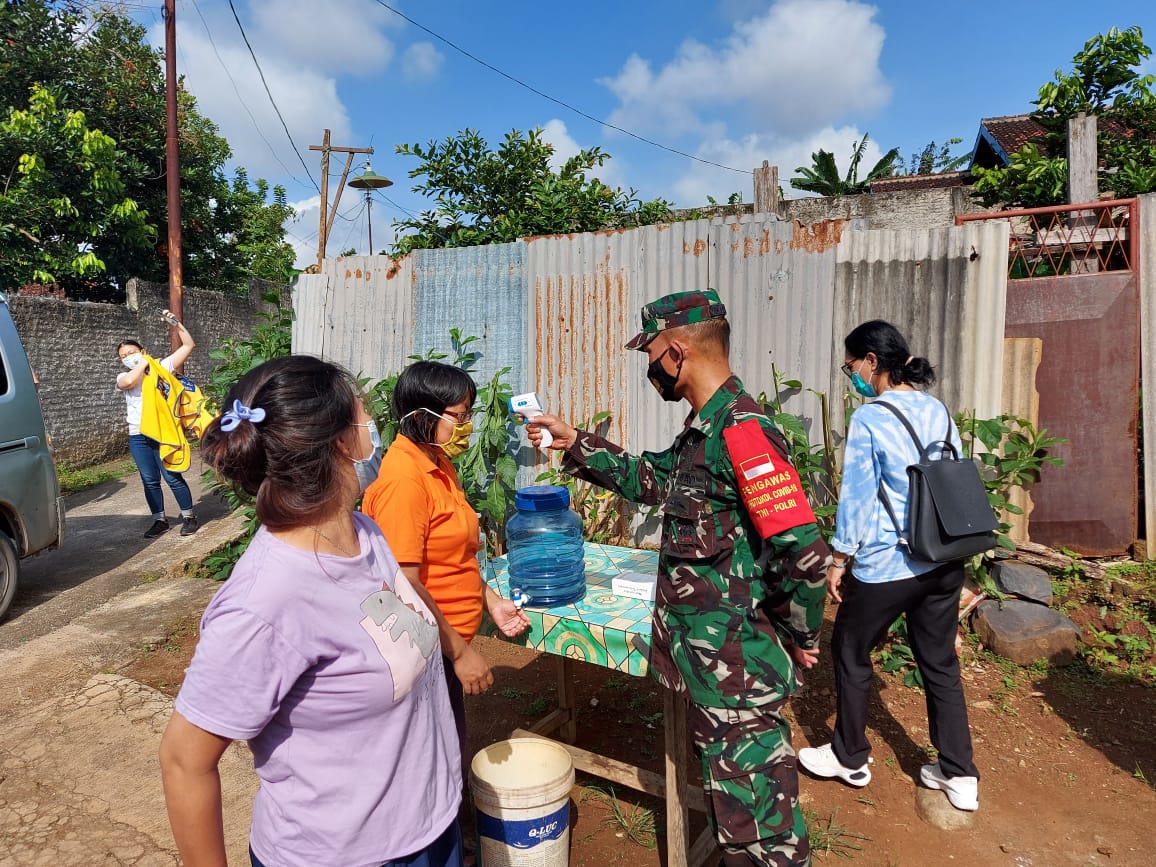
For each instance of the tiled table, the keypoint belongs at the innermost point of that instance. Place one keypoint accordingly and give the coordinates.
(613, 632)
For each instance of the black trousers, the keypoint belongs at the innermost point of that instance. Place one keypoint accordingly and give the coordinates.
(931, 603)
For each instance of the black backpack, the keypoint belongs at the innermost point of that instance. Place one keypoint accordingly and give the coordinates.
(949, 516)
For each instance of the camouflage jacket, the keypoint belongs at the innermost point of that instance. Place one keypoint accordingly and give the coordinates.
(727, 600)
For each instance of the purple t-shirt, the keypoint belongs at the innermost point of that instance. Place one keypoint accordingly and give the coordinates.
(338, 687)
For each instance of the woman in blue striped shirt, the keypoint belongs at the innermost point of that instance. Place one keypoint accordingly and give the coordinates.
(875, 579)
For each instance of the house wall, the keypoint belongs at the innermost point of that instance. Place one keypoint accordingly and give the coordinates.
(72, 348)
(909, 209)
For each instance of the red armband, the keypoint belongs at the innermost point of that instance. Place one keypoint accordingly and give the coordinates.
(768, 484)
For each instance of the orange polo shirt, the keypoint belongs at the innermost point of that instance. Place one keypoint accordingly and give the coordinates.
(424, 514)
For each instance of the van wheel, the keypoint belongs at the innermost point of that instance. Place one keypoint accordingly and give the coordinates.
(9, 572)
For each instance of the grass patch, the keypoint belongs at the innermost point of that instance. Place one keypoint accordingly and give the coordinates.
(636, 823)
(830, 837)
(73, 481)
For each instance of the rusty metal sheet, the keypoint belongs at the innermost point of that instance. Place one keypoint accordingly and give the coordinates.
(358, 312)
(777, 280)
(944, 289)
(1088, 382)
(1147, 288)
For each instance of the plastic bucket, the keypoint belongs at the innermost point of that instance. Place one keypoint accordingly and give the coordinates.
(521, 790)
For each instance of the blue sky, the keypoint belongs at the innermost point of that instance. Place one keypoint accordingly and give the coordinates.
(730, 81)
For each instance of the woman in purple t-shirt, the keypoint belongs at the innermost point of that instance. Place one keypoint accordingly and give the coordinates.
(317, 651)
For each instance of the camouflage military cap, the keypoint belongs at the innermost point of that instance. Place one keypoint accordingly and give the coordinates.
(671, 311)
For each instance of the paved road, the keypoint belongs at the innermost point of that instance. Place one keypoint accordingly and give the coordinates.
(79, 777)
(104, 530)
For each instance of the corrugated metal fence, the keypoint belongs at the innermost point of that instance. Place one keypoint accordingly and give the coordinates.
(556, 310)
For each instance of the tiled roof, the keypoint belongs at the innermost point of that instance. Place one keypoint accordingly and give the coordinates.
(1014, 131)
(938, 180)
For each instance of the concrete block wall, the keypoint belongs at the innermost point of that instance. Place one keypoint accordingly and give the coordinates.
(72, 348)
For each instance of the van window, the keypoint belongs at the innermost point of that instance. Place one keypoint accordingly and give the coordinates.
(3, 376)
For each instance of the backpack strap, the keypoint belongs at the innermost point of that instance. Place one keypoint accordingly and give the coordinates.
(919, 447)
(911, 430)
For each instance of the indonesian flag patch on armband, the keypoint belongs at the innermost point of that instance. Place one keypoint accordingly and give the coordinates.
(768, 484)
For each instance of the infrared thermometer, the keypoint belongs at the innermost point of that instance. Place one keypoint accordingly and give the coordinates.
(527, 407)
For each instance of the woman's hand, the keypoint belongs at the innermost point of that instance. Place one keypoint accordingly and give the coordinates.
(473, 671)
(564, 435)
(508, 617)
(835, 573)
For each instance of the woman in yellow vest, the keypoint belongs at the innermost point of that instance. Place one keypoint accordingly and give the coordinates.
(146, 449)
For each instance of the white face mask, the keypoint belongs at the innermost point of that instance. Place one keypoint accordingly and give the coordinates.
(132, 361)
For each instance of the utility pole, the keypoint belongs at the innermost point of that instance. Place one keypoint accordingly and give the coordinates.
(173, 171)
(327, 213)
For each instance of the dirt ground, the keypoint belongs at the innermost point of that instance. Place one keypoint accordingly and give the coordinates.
(1067, 757)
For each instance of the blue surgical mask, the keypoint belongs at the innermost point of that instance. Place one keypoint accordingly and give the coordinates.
(368, 468)
(861, 387)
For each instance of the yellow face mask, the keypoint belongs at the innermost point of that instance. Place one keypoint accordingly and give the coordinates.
(459, 440)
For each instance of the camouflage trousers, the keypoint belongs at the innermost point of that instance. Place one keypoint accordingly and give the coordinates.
(751, 784)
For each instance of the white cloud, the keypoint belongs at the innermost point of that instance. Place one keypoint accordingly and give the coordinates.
(237, 102)
(336, 36)
(692, 189)
(421, 61)
(801, 65)
(555, 132)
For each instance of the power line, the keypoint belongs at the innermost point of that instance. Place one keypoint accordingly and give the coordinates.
(552, 99)
(240, 99)
(353, 223)
(272, 101)
(412, 215)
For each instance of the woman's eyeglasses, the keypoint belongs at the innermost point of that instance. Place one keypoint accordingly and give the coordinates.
(847, 369)
(460, 417)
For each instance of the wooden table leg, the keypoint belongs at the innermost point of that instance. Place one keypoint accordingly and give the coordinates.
(674, 723)
(568, 731)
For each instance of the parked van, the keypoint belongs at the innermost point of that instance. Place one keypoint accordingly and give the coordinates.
(31, 508)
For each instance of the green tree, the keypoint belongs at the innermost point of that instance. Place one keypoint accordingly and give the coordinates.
(484, 196)
(62, 198)
(932, 158)
(822, 177)
(1104, 81)
(99, 63)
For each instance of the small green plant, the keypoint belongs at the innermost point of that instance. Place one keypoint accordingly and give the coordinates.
(538, 706)
(830, 837)
(816, 464)
(1013, 453)
(896, 657)
(512, 693)
(636, 822)
(75, 480)
(487, 468)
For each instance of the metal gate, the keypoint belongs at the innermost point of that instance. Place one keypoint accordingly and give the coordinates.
(1073, 284)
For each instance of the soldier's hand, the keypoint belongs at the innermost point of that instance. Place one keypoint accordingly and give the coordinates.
(804, 658)
(564, 435)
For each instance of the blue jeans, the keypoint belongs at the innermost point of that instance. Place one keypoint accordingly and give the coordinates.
(146, 454)
(445, 851)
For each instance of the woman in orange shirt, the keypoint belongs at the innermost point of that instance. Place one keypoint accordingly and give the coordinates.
(419, 504)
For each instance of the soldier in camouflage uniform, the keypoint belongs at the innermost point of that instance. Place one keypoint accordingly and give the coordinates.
(729, 627)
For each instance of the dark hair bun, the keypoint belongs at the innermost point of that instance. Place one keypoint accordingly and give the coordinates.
(289, 460)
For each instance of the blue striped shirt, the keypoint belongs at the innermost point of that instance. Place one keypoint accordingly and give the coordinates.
(879, 448)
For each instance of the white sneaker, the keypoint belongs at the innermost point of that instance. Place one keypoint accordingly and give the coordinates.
(963, 792)
(821, 762)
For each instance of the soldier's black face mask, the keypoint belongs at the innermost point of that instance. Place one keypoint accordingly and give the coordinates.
(663, 381)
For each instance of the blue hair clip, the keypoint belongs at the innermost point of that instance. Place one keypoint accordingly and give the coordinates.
(240, 413)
